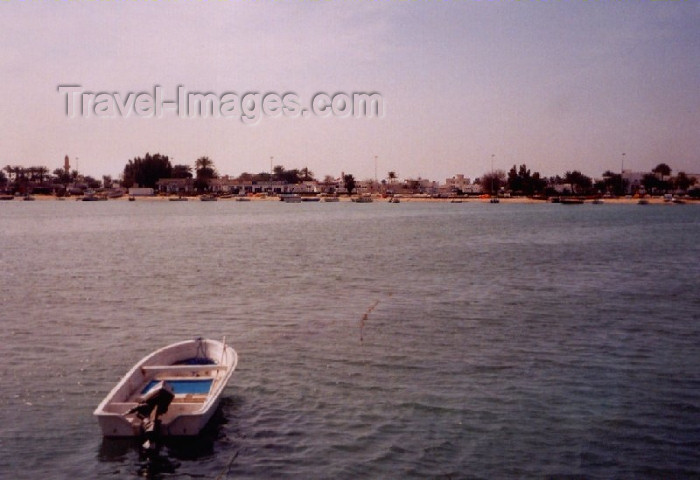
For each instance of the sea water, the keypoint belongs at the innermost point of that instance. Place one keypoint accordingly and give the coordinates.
(412, 340)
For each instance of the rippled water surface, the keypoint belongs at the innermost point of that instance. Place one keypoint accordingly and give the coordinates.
(375, 340)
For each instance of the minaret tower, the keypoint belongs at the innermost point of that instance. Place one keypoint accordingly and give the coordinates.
(66, 165)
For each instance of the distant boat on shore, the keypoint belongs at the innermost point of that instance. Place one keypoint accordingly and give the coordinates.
(363, 199)
(92, 196)
(570, 201)
(208, 198)
(290, 198)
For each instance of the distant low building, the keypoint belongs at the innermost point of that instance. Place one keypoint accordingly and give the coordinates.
(457, 183)
(563, 188)
(224, 185)
(254, 186)
(422, 185)
(366, 186)
(141, 191)
(305, 187)
(271, 187)
(633, 180)
(180, 186)
(473, 189)
(331, 186)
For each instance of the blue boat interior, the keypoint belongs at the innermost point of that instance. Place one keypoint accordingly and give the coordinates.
(197, 386)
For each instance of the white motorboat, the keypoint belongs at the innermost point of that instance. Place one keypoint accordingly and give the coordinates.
(173, 391)
(290, 198)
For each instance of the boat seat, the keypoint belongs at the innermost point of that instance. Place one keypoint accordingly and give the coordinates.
(189, 398)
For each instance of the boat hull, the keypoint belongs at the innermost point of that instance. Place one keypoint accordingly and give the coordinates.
(198, 389)
(183, 425)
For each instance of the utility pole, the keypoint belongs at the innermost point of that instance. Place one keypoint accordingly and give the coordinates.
(622, 171)
(375, 173)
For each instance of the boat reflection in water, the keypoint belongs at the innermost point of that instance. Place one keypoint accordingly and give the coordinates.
(170, 453)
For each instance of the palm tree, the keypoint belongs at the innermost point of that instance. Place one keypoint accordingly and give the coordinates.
(306, 174)
(107, 181)
(278, 173)
(349, 181)
(662, 170)
(10, 172)
(41, 172)
(182, 171)
(205, 172)
(205, 168)
(683, 181)
(578, 179)
(203, 162)
(391, 176)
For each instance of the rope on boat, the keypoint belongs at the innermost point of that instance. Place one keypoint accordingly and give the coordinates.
(200, 358)
(223, 350)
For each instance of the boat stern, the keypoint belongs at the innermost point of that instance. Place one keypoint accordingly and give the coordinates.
(118, 424)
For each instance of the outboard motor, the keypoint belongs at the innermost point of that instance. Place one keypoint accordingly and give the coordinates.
(154, 404)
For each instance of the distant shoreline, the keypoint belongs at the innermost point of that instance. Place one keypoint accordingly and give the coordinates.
(376, 199)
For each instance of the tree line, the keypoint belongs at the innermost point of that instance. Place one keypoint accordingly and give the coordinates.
(519, 180)
(146, 171)
(39, 180)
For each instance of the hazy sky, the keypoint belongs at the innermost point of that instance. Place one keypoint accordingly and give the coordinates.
(556, 84)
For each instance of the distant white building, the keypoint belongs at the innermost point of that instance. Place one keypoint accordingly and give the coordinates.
(141, 191)
(366, 186)
(175, 185)
(473, 189)
(563, 188)
(458, 182)
(633, 180)
(305, 187)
